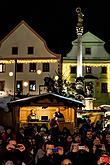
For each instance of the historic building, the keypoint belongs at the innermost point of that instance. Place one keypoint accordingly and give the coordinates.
(96, 67)
(25, 61)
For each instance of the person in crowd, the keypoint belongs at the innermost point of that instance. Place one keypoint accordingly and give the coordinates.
(77, 139)
(67, 143)
(32, 117)
(107, 142)
(44, 128)
(14, 152)
(88, 139)
(66, 162)
(65, 132)
(20, 135)
(80, 155)
(2, 150)
(58, 115)
(40, 153)
(9, 162)
(104, 158)
(9, 134)
(60, 152)
(55, 133)
(48, 158)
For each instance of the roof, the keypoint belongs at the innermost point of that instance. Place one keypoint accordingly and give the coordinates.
(89, 37)
(47, 99)
(25, 25)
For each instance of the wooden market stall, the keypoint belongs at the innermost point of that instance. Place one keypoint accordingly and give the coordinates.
(44, 106)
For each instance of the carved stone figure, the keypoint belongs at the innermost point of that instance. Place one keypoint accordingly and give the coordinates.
(80, 17)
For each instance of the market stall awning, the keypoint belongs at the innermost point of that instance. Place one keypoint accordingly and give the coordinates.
(47, 99)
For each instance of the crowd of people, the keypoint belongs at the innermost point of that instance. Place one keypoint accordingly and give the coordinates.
(88, 144)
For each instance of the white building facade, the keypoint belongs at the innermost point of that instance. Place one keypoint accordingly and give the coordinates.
(25, 61)
(95, 66)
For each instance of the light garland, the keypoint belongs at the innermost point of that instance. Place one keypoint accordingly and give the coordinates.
(66, 70)
(7, 61)
(29, 61)
(87, 64)
(108, 77)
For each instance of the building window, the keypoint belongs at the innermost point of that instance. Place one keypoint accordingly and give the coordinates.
(32, 67)
(30, 50)
(104, 70)
(104, 87)
(14, 50)
(88, 69)
(19, 86)
(19, 67)
(88, 51)
(2, 68)
(32, 85)
(46, 67)
(73, 69)
(2, 85)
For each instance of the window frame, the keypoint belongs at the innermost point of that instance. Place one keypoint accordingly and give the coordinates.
(30, 81)
(104, 70)
(3, 68)
(46, 67)
(18, 67)
(88, 69)
(21, 86)
(88, 51)
(14, 50)
(73, 69)
(30, 50)
(30, 67)
(3, 83)
(104, 89)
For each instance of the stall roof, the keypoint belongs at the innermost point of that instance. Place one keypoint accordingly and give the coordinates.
(47, 99)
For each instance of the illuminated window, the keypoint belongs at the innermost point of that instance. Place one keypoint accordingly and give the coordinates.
(30, 50)
(32, 85)
(32, 67)
(88, 51)
(19, 86)
(14, 50)
(103, 87)
(46, 67)
(2, 85)
(2, 68)
(19, 67)
(88, 69)
(104, 70)
(73, 69)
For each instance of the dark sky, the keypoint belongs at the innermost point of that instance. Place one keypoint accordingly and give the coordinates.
(55, 20)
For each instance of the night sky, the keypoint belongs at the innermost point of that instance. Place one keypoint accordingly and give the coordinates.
(55, 20)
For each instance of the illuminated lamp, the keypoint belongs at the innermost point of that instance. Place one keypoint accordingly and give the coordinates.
(39, 71)
(25, 84)
(10, 74)
(56, 78)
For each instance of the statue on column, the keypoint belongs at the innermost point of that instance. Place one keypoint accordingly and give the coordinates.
(80, 17)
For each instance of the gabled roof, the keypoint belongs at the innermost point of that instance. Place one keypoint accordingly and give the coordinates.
(33, 31)
(90, 38)
(47, 99)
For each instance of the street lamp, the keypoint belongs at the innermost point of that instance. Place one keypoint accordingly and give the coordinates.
(39, 71)
(25, 83)
(10, 74)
